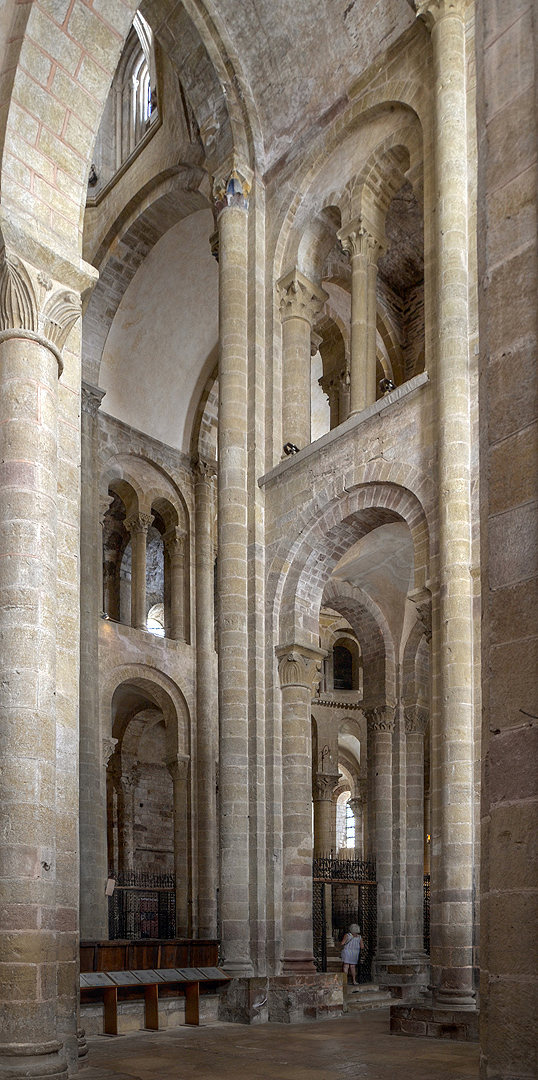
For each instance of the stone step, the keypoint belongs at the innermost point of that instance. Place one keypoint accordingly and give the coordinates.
(366, 996)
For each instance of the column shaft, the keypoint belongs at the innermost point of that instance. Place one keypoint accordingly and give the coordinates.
(298, 668)
(28, 595)
(175, 543)
(138, 526)
(452, 870)
(179, 772)
(92, 798)
(206, 725)
(125, 804)
(232, 592)
(359, 325)
(415, 723)
(324, 823)
(380, 732)
(301, 301)
(374, 251)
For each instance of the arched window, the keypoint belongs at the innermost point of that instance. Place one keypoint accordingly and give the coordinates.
(131, 107)
(342, 668)
(350, 827)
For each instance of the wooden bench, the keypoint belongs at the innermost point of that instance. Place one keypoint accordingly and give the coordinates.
(187, 979)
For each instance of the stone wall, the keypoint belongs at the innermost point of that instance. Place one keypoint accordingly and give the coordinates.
(508, 275)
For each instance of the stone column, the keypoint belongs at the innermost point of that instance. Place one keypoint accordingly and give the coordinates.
(175, 541)
(206, 719)
(126, 787)
(300, 302)
(299, 670)
(380, 731)
(137, 526)
(330, 384)
(92, 784)
(375, 250)
(232, 207)
(416, 719)
(364, 250)
(323, 790)
(179, 771)
(452, 867)
(344, 381)
(35, 879)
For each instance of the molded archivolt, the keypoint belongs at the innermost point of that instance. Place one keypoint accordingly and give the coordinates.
(150, 485)
(156, 688)
(301, 572)
(375, 639)
(358, 147)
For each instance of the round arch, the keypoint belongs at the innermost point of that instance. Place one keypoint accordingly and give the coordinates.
(158, 688)
(331, 526)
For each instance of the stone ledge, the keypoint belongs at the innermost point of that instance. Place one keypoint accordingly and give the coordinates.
(429, 1022)
(343, 429)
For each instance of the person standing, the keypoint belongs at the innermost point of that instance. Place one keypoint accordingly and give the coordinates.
(352, 944)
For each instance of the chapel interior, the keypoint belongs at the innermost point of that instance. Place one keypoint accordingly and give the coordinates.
(268, 520)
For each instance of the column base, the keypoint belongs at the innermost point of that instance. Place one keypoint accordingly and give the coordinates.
(82, 1049)
(241, 968)
(454, 999)
(432, 1021)
(298, 963)
(407, 979)
(297, 999)
(32, 1061)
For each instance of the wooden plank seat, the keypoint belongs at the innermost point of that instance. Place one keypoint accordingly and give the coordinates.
(107, 983)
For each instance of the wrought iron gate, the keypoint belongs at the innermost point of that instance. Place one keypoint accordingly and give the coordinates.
(142, 906)
(353, 899)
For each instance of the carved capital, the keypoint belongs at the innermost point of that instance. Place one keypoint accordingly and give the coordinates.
(300, 665)
(129, 781)
(231, 186)
(380, 718)
(423, 605)
(315, 341)
(431, 11)
(175, 542)
(375, 250)
(357, 239)
(178, 767)
(324, 786)
(356, 804)
(27, 309)
(299, 297)
(105, 502)
(354, 240)
(203, 470)
(91, 398)
(416, 719)
(108, 747)
(138, 523)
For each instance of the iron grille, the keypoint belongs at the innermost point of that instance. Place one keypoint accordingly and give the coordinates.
(318, 926)
(353, 900)
(142, 906)
(329, 869)
(426, 909)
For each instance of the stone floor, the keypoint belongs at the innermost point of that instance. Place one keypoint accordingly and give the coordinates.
(353, 1048)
